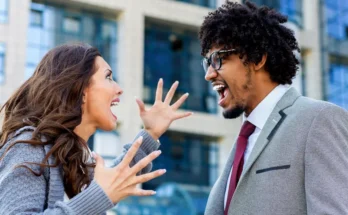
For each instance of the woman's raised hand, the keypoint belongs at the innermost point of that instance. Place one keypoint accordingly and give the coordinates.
(121, 181)
(158, 118)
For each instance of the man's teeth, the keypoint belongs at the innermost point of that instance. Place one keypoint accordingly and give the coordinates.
(218, 87)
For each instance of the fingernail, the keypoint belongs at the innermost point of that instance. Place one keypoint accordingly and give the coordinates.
(187, 94)
(163, 171)
(153, 192)
(158, 152)
(141, 138)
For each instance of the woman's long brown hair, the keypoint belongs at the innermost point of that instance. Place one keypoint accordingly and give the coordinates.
(51, 101)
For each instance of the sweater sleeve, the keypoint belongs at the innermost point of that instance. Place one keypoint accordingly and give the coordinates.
(149, 145)
(21, 192)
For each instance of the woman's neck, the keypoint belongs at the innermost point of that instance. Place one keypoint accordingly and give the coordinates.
(84, 131)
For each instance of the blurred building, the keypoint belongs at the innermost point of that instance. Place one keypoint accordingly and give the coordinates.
(144, 40)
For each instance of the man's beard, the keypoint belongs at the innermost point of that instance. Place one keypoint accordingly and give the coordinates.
(233, 112)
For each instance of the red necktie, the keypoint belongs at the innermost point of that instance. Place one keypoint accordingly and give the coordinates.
(238, 162)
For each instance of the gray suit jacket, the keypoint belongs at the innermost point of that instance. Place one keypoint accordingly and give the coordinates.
(299, 164)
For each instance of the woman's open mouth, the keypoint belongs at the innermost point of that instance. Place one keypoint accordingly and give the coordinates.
(114, 103)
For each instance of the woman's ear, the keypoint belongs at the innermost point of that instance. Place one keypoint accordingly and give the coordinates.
(85, 95)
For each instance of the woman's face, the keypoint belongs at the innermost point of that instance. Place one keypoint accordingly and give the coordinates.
(101, 94)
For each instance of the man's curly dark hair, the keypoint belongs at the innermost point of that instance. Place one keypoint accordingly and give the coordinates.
(253, 31)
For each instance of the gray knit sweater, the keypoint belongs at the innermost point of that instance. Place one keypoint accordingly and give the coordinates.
(21, 192)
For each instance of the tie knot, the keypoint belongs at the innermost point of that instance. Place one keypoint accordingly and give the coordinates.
(247, 129)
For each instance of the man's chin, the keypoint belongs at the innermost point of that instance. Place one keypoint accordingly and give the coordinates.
(233, 113)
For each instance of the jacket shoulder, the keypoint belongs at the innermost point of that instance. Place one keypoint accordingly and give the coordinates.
(20, 152)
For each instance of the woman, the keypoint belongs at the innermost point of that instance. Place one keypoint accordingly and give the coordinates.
(48, 120)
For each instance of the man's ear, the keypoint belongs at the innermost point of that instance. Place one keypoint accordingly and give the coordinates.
(262, 63)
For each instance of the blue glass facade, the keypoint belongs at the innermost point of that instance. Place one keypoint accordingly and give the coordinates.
(335, 33)
(336, 19)
(174, 54)
(291, 8)
(170, 199)
(205, 3)
(2, 63)
(338, 85)
(4, 10)
(188, 158)
(51, 25)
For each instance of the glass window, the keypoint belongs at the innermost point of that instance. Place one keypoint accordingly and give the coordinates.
(303, 75)
(174, 54)
(337, 34)
(338, 85)
(188, 158)
(205, 3)
(337, 18)
(3, 11)
(2, 63)
(36, 18)
(72, 25)
(52, 25)
(291, 8)
(107, 144)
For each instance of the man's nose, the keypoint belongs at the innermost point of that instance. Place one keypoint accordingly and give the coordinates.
(210, 74)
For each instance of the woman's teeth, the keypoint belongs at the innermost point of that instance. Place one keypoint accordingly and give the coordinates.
(114, 104)
(113, 108)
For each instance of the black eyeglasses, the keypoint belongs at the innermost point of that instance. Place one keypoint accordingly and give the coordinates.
(215, 59)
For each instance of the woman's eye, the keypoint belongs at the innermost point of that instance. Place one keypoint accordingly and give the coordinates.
(109, 77)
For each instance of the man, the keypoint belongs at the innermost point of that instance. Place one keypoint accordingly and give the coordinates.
(291, 156)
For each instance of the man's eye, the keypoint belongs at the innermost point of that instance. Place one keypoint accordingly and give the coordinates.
(223, 56)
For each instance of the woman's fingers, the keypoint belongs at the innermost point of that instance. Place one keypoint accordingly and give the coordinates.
(182, 115)
(141, 192)
(171, 93)
(131, 152)
(180, 101)
(144, 162)
(149, 176)
(159, 90)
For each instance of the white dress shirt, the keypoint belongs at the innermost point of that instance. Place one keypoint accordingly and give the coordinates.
(258, 117)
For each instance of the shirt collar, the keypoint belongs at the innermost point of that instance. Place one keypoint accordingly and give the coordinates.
(263, 110)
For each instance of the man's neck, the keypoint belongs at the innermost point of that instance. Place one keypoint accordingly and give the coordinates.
(261, 91)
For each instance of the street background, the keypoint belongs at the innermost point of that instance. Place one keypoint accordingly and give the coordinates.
(144, 40)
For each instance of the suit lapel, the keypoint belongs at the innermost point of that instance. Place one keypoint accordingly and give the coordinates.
(216, 199)
(273, 122)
